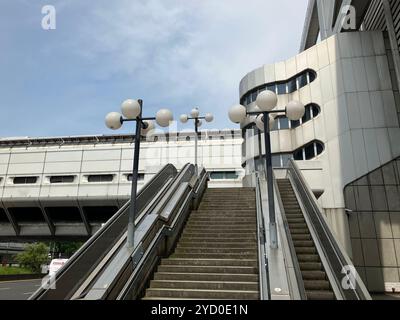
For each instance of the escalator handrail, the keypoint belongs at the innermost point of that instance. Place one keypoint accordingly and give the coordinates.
(292, 250)
(167, 171)
(329, 243)
(265, 292)
(167, 229)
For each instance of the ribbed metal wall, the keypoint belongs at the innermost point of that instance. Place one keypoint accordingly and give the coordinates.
(375, 17)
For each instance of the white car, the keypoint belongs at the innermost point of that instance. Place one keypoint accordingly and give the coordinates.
(55, 265)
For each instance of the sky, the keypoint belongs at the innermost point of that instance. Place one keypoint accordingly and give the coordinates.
(174, 54)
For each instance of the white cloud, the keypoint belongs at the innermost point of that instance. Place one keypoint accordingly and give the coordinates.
(198, 49)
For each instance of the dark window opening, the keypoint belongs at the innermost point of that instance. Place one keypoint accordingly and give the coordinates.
(309, 151)
(282, 88)
(140, 177)
(28, 214)
(25, 180)
(62, 179)
(289, 86)
(224, 175)
(99, 214)
(292, 86)
(3, 216)
(64, 214)
(101, 178)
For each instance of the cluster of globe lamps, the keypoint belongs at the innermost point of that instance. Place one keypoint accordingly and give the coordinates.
(266, 103)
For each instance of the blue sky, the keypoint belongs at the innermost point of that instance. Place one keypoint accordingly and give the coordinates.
(172, 54)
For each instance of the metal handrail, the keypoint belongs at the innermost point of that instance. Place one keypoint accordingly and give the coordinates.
(261, 240)
(335, 256)
(94, 250)
(292, 250)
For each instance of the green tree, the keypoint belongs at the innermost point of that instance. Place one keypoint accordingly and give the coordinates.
(34, 256)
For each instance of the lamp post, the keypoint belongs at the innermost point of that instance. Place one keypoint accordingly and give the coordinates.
(195, 115)
(266, 103)
(132, 111)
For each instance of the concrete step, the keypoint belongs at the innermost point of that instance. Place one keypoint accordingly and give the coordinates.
(204, 285)
(203, 294)
(316, 285)
(210, 262)
(211, 226)
(206, 276)
(229, 235)
(214, 233)
(224, 219)
(207, 269)
(320, 295)
(308, 258)
(214, 250)
(311, 266)
(206, 239)
(216, 255)
(183, 244)
(313, 275)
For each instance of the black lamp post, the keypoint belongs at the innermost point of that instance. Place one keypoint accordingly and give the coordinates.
(266, 103)
(195, 115)
(132, 111)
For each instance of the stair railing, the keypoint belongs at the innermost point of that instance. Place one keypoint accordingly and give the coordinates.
(339, 265)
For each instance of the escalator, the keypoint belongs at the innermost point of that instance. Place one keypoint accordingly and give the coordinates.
(216, 256)
(316, 284)
(323, 271)
(104, 267)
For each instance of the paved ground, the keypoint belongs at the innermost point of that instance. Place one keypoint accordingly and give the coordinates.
(18, 290)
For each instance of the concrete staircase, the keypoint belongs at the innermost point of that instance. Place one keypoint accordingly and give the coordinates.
(316, 283)
(216, 256)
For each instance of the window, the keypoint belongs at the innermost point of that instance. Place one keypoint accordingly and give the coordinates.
(140, 177)
(101, 178)
(62, 179)
(282, 88)
(302, 80)
(25, 180)
(292, 86)
(312, 110)
(224, 175)
(309, 151)
(289, 86)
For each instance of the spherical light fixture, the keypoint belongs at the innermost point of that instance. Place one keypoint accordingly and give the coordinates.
(114, 120)
(164, 117)
(260, 122)
(184, 118)
(237, 113)
(195, 113)
(149, 127)
(209, 117)
(295, 110)
(131, 109)
(267, 100)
